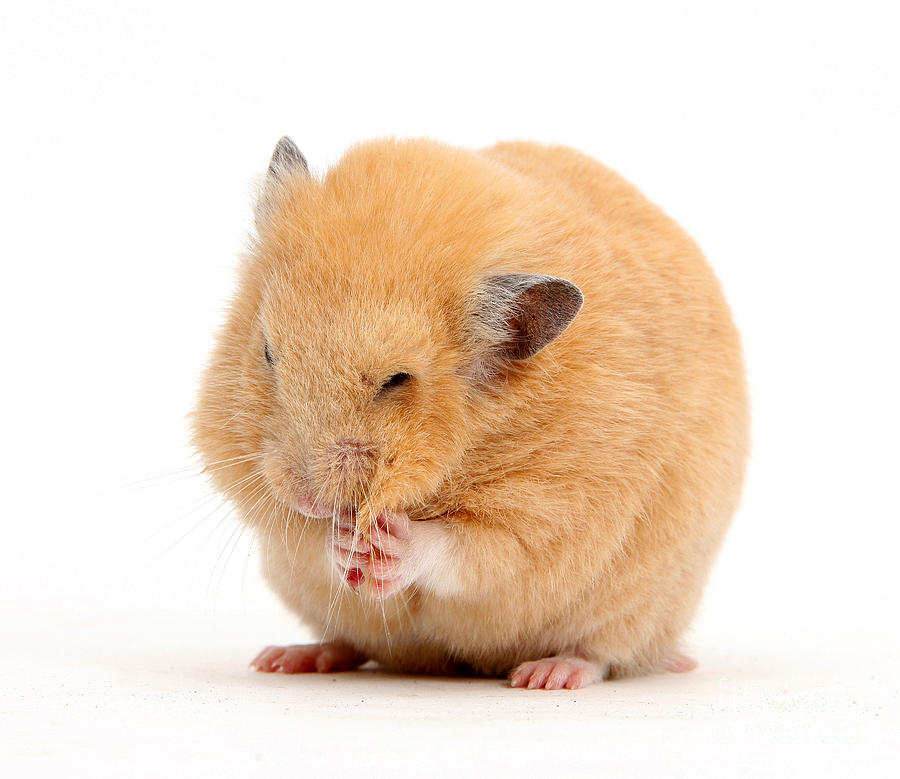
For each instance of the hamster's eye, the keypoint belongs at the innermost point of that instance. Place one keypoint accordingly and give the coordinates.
(269, 358)
(395, 381)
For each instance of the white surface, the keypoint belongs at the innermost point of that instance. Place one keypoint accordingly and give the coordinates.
(166, 693)
(130, 610)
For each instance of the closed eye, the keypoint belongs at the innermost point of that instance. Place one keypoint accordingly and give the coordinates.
(395, 381)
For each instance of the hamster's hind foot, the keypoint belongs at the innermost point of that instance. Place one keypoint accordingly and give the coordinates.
(308, 658)
(569, 672)
(677, 663)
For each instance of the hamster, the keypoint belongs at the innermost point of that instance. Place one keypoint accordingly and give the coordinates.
(484, 410)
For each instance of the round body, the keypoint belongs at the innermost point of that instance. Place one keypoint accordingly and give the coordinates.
(406, 341)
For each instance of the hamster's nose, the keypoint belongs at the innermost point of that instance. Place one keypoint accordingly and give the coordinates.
(352, 455)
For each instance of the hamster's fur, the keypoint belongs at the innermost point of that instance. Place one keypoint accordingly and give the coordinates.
(551, 499)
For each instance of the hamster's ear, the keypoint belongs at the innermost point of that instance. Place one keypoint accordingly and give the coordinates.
(520, 313)
(286, 161)
(286, 158)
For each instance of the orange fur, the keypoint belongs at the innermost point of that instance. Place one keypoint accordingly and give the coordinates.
(586, 489)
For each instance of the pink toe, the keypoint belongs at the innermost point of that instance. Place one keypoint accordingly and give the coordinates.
(297, 660)
(539, 676)
(571, 672)
(384, 567)
(268, 660)
(354, 577)
(577, 680)
(678, 663)
(307, 658)
(385, 587)
(518, 677)
(558, 676)
(391, 523)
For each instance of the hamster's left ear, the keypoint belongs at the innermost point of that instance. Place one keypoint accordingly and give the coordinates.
(518, 314)
(287, 160)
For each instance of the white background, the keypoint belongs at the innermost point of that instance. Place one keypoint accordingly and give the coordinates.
(130, 137)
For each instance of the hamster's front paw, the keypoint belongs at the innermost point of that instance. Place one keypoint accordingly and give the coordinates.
(382, 559)
(349, 551)
(392, 566)
(396, 554)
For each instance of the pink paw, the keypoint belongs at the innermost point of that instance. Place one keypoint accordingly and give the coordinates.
(307, 658)
(556, 673)
(677, 663)
(381, 559)
(349, 551)
(388, 566)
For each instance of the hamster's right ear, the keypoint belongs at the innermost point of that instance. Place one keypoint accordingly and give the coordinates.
(518, 314)
(287, 160)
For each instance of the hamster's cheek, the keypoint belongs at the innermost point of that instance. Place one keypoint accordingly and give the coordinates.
(276, 474)
(287, 482)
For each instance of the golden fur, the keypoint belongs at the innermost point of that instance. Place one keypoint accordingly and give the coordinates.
(587, 489)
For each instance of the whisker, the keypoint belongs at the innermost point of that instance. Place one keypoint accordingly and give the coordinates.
(260, 494)
(231, 495)
(188, 532)
(334, 594)
(248, 517)
(198, 503)
(239, 530)
(306, 521)
(173, 475)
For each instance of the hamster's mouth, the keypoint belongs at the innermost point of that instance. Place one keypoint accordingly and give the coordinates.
(305, 503)
(315, 510)
(308, 506)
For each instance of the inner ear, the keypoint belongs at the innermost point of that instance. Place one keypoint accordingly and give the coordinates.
(523, 313)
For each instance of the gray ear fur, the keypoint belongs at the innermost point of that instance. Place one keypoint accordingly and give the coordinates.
(286, 158)
(522, 313)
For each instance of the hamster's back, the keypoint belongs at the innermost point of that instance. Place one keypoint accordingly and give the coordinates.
(655, 337)
(654, 308)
